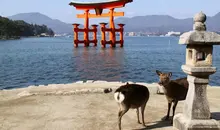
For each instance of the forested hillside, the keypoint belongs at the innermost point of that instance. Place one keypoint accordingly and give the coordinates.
(10, 29)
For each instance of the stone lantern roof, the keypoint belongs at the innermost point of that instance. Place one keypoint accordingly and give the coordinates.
(199, 35)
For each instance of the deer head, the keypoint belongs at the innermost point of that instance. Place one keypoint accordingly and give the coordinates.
(164, 78)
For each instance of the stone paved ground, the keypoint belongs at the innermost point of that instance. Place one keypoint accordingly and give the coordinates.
(94, 111)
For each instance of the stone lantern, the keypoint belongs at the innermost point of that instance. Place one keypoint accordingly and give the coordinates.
(198, 67)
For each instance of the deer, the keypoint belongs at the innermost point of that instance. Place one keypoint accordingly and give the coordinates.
(174, 90)
(132, 96)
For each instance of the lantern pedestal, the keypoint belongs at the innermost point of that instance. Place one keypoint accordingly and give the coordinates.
(196, 112)
(183, 123)
(198, 67)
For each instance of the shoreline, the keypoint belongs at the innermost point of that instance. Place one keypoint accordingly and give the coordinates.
(79, 87)
(20, 37)
(10, 38)
(88, 82)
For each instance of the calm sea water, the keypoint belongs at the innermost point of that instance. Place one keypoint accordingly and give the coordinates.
(41, 61)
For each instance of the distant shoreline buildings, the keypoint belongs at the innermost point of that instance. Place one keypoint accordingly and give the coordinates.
(171, 33)
(131, 34)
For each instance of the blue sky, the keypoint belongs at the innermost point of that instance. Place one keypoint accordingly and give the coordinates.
(59, 9)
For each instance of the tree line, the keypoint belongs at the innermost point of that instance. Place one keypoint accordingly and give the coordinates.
(18, 28)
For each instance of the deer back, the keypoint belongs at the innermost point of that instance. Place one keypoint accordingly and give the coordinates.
(134, 95)
(177, 89)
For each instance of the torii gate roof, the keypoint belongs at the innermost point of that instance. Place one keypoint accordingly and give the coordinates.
(92, 4)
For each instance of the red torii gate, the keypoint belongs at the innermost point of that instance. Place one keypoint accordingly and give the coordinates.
(98, 7)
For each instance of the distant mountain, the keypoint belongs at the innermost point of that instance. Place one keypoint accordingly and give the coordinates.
(156, 23)
(148, 23)
(37, 18)
(165, 23)
(213, 23)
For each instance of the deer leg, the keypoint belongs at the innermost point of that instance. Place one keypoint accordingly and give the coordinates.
(138, 116)
(142, 112)
(174, 108)
(120, 114)
(168, 111)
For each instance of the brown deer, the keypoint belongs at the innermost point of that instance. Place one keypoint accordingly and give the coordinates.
(174, 90)
(131, 96)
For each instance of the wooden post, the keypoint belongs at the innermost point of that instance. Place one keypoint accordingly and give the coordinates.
(86, 33)
(121, 34)
(94, 26)
(75, 29)
(103, 40)
(112, 27)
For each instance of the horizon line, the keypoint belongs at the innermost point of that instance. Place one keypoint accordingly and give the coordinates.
(118, 17)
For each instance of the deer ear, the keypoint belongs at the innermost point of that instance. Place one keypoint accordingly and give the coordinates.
(170, 74)
(158, 72)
